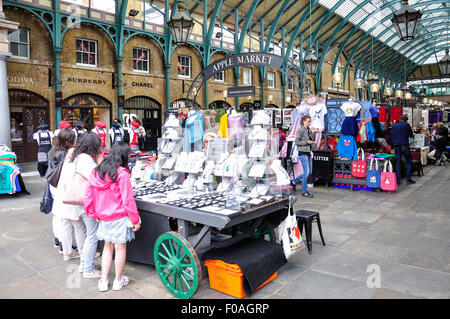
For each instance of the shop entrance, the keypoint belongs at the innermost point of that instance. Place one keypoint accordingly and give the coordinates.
(148, 112)
(88, 108)
(28, 110)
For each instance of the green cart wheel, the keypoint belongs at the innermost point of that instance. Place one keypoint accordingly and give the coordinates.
(177, 265)
(265, 230)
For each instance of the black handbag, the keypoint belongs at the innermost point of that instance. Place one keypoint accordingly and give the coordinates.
(54, 175)
(47, 201)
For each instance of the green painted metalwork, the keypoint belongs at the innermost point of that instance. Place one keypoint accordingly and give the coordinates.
(321, 25)
(245, 26)
(388, 64)
(367, 34)
(336, 31)
(391, 37)
(419, 45)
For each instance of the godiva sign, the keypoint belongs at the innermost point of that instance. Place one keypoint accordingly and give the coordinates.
(19, 81)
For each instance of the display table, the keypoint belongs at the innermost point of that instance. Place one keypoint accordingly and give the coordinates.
(174, 238)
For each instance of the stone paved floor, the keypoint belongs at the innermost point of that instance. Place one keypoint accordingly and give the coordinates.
(405, 235)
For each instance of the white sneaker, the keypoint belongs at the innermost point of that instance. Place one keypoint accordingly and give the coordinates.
(117, 285)
(102, 285)
(80, 268)
(94, 274)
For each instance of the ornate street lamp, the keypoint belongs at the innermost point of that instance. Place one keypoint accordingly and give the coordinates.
(399, 93)
(311, 62)
(408, 96)
(180, 26)
(444, 64)
(406, 21)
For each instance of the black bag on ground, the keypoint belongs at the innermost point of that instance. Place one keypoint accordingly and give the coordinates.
(47, 201)
(258, 259)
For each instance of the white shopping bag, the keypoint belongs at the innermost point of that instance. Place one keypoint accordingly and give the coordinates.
(289, 234)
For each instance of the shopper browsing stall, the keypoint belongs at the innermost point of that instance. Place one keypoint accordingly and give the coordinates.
(86, 156)
(305, 141)
(399, 136)
(109, 199)
(64, 141)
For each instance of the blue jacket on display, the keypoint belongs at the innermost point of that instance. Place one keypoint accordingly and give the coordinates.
(346, 147)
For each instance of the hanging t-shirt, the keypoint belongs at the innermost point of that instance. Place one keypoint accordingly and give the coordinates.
(395, 114)
(350, 109)
(317, 113)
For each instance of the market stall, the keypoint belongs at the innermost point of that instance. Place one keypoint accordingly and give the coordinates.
(11, 181)
(198, 198)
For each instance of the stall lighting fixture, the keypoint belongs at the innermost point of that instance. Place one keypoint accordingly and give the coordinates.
(359, 83)
(388, 91)
(375, 87)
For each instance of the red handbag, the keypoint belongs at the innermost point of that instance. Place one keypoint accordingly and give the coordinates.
(359, 166)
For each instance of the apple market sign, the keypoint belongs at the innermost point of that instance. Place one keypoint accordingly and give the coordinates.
(242, 59)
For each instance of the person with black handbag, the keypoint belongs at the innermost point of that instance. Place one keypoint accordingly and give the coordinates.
(64, 141)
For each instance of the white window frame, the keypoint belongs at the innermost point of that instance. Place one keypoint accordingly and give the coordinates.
(147, 60)
(19, 43)
(221, 78)
(189, 66)
(291, 82)
(95, 54)
(271, 80)
(249, 75)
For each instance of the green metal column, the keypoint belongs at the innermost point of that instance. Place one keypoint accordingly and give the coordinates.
(57, 49)
(57, 52)
(167, 52)
(167, 78)
(119, 60)
(206, 41)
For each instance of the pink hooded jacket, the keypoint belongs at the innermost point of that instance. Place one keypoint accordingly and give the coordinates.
(110, 201)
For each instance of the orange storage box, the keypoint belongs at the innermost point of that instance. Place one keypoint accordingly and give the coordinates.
(228, 278)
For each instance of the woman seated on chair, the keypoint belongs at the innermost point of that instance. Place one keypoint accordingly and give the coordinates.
(440, 144)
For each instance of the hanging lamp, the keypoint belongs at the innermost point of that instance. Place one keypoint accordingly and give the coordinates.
(406, 21)
(180, 26)
(310, 61)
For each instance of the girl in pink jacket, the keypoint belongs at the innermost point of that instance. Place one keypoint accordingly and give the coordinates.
(109, 199)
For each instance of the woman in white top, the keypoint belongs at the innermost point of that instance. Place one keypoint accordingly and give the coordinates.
(86, 156)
